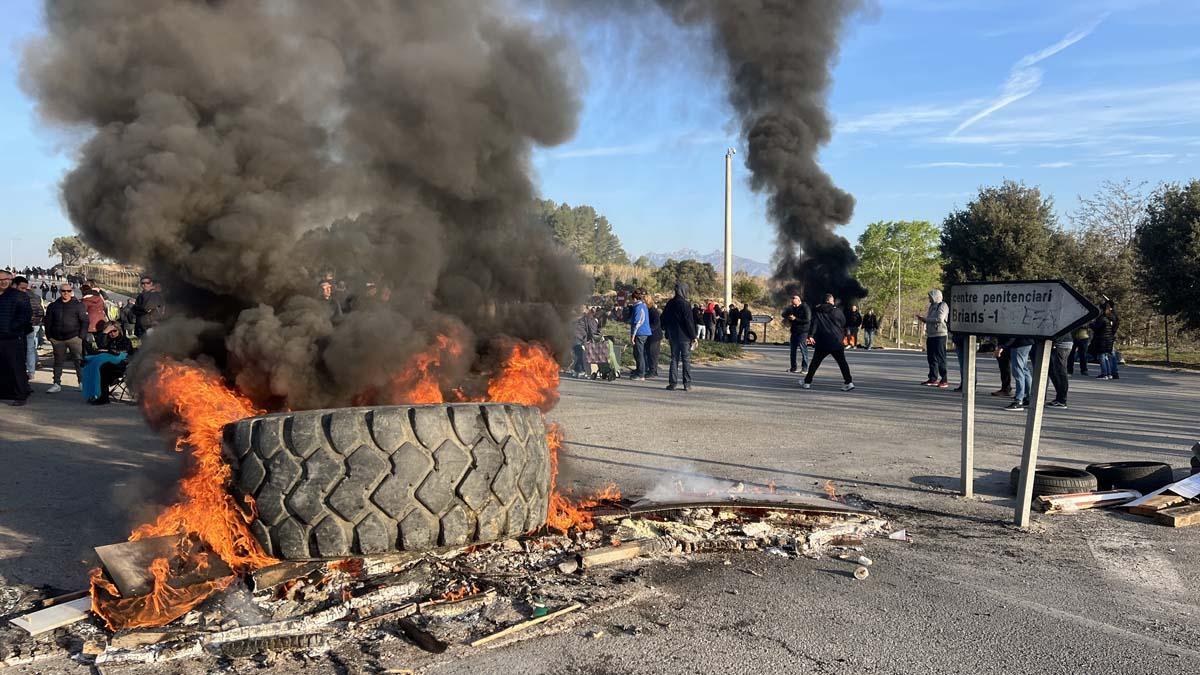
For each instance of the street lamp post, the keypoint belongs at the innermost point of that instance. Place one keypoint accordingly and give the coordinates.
(729, 153)
(898, 253)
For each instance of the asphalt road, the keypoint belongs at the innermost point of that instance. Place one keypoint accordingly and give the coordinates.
(1094, 592)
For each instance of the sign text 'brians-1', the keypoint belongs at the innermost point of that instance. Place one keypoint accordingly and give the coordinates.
(1040, 309)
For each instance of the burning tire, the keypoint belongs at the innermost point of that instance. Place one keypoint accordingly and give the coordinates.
(369, 480)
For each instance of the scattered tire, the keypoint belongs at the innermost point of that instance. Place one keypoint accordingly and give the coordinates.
(355, 481)
(1054, 480)
(1144, 477)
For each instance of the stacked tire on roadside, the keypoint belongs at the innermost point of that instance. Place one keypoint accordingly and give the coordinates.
(353, 481)
(1048, 479)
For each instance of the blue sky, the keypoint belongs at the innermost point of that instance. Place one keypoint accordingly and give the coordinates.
(932, 98)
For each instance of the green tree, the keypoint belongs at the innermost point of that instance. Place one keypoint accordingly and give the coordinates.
(747, 289)
(911, 244)
(1168, 247)
(643, 261)
(1004, 234)
(582, 231)
(72, 250)
(700, 277)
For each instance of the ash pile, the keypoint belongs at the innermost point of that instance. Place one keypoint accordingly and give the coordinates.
(446, 602)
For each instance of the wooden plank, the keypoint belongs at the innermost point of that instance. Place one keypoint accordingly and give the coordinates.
(1156, 504)
(525, 624)
(43, 620)
(626, 551)
(1086, 500)
(1180, 516)
(128, 564)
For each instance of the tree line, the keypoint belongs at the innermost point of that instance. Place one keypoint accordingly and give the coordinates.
(1136, 246)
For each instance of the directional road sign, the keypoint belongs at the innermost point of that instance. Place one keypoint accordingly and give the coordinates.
(1038, 309)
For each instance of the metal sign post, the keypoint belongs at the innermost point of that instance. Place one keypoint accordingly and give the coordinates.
(1024, 309)
(968, 416)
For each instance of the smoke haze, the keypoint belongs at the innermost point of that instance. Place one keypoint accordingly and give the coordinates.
(238, 149)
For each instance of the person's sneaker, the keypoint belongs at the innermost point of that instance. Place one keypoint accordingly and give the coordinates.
(791, 370)
(958, 388)
(1115, 376)
(805, 385)
(54, 389)
(943, 385)
(670, 387)
(930, 382)
(638, 378)
(687, 387)
(848, 387)
(1101, 377)
(18, 403)
(1015, 405)
(1007, 393)
(1056, 404)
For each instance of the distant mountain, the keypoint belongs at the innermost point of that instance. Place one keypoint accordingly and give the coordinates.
(752, 267)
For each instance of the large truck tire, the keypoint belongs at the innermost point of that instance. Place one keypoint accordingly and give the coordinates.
(1049, 479)
(352, 481)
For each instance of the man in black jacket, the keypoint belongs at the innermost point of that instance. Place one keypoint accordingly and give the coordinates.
(733, 322)
(746, 317)
(800, 319)
(679, 325)
(854, 321)
(66, 328)
(16, 321)
(828, 329)
(149, 307)
(654, 344)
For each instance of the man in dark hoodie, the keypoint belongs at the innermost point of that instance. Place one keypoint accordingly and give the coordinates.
(679, 325)
(745, 317)
(828, 329)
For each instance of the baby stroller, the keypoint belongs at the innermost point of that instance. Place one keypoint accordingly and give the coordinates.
(599, 360)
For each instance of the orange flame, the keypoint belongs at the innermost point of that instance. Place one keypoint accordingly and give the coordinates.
(529, 376)
(455, 594)
(419, 381)
(563, 514)
(831, 491)
(202, 405)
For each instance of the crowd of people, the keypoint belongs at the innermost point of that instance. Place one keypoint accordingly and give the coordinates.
(85, 328)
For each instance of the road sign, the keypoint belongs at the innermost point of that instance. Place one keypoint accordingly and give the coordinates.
(762, 318)
(1038, 309)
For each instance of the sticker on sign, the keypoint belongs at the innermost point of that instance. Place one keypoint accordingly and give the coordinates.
(1039, 309)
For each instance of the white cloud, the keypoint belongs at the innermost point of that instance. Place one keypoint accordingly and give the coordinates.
(957, 165)
(1024, 79)
(1055, 165)
(904, 118)
(641, 148)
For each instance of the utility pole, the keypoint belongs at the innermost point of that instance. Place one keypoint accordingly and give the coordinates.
(729, 153)
(899, 326)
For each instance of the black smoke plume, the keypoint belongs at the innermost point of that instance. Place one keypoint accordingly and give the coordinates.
(778, 55)
(237, 149)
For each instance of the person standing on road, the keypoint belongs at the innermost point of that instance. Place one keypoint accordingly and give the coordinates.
(854, 321)
(1018, 349)
(1060, 357)
(148, 307)
(936, 329)
(654, 344)
(1004, 363)
(639, 333)
(828, 330)
(679, 325)
(1105, 333)
(870, 326)
(710, 321)
(733, 320)
(16, 319)
(1081, 339)
(66, 328)
(38, 314)
(799, 318)
(744, 322)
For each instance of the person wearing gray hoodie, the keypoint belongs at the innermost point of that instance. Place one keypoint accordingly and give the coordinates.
(936, 319)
